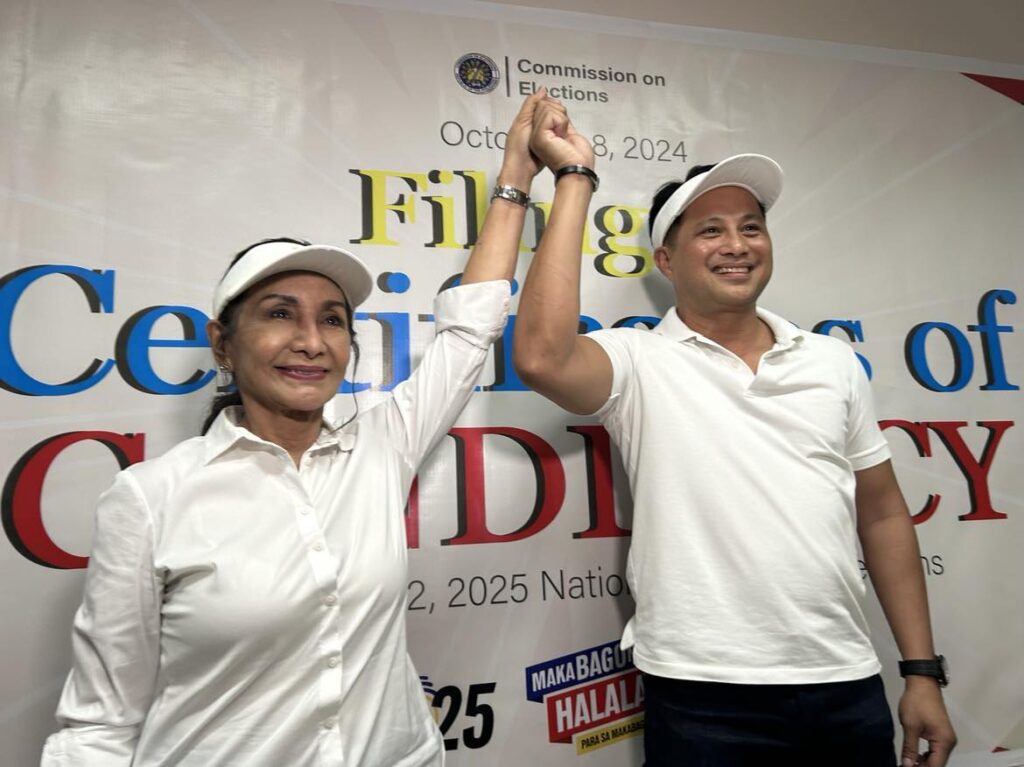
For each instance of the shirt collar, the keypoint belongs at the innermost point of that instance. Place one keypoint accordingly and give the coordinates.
(225, 432)
(786, 333)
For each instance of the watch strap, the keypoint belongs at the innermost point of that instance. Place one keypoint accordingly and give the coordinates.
(583, 170)
(935, 668)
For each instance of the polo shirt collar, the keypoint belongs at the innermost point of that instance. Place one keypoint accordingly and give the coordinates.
(786, 333)
(225, 432)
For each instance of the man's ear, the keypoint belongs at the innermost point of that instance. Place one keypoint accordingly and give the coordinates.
(661, 259)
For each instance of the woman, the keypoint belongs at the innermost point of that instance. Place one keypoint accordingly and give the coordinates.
(245, 598)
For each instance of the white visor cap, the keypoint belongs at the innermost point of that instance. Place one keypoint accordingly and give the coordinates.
(341, 267)
(759, 175)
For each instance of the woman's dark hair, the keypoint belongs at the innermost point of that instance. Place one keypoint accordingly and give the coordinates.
(231, 397)
(669, 188)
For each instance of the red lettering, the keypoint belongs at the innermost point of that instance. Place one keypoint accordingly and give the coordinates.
(600, 487)
(21, 506)
(974, 471)
(412, 516)
(472, 510)
(918, 434)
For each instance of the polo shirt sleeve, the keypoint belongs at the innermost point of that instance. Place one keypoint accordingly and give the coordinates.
(613, 341)
(865, 443)
(468, 319)
(115, 639)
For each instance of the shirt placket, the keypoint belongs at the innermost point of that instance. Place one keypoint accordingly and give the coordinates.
(768, 371)
(324, 567)
(735, 367)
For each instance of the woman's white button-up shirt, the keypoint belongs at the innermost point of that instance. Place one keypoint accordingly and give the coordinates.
(240, 610)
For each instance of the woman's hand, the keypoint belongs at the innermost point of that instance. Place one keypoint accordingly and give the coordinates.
(519, 164)
(555, 140)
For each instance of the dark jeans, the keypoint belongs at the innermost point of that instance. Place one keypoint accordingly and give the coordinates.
(708, 724)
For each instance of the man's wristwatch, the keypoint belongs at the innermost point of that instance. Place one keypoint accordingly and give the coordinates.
(583, 170)
(937, 668)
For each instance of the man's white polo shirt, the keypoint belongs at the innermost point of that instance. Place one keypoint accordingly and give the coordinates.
(743, 561)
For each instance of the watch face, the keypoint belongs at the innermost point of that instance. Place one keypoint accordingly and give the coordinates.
(945, 669)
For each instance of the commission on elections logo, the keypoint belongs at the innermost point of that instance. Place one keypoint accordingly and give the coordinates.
(477, 73)
(594, 697)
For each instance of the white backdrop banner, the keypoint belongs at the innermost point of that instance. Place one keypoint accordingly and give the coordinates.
(144, 142)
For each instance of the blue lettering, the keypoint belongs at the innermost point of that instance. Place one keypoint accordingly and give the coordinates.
(991, 348)
(853, 331)
(135, 340)
(99, 292)
(632, 322)
(395, 353)
(917, 359)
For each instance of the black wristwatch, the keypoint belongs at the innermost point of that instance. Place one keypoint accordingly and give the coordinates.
(937, 668)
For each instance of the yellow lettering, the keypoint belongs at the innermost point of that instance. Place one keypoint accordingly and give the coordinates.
(375, 207)
(617, 223)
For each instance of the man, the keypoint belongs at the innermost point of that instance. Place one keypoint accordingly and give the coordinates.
(755, 463)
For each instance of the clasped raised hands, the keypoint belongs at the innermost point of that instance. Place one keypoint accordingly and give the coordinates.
(542, 135)
(554, 139)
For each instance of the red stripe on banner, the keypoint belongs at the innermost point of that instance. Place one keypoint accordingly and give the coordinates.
(593, 705)
(1007, 86)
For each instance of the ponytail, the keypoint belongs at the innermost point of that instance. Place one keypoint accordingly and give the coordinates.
(220, 402)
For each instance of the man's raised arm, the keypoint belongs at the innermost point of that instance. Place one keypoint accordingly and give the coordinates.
(549, 355)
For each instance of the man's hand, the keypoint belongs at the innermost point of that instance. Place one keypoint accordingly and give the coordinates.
(923, 716)
(555, 140)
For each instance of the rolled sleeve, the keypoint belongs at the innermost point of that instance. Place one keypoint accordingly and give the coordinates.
(476, 313)
(115, 639)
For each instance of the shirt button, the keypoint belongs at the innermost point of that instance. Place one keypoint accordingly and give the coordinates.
(329, 724)
(330, 600)
(304, 510)
(318, 546)
(332, 663)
